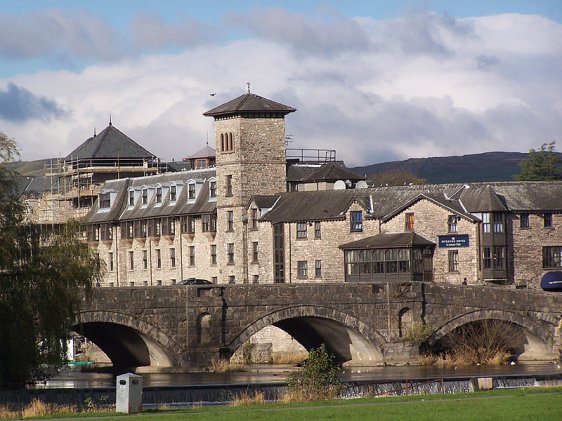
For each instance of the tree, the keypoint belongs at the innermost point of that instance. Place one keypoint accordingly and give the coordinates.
(43, 276)
(541, 165)
(395, 177)
(318, 379)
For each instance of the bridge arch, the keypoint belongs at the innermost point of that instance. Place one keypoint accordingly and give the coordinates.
(127, 341)
(538, 338)
(349, 339)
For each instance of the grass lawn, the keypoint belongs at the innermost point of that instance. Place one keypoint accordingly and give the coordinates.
(515, 404)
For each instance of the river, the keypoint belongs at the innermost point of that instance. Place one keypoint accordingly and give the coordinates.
(256, 374)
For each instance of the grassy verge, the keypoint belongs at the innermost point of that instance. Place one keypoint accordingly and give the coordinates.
(522, 404)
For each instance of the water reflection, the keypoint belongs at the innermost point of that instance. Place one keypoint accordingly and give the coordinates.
(255, 374)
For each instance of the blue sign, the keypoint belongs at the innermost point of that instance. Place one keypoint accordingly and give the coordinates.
(453, 241)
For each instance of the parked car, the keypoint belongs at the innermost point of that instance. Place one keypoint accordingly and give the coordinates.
(552, 281)
(194, 281)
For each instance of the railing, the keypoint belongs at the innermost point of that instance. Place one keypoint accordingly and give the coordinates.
(311, 155)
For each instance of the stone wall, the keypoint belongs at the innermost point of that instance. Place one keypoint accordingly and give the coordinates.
(430, 221)
(528, 244)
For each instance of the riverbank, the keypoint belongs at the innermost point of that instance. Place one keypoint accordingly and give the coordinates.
(512, 404)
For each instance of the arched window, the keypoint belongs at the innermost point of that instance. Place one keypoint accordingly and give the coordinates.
(230, 144)
(204, 329)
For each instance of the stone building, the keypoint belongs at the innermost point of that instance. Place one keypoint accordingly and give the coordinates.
(238, 223)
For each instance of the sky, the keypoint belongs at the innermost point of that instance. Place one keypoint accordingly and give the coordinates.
(377, 80)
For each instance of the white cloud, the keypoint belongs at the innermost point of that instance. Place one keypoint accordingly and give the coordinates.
(427, 85)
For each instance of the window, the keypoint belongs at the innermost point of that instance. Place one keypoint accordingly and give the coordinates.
(173, 193)
(301, 230)
(131, 261)
(214, 279)
(230, 253)
(255, 252)
(208, 223)
(227, 143)
(187, 225)
(486, 222)
(229, 221)
(131, 198)
(231, 279)
(191, 255)
(191, 191)
(110, 261)
(212, 189)
(172, 257)
(158, 258)
(317, 232)
(145, 259)
(356, 221)
(302, 269)
(254, 218)
(105, 200)
(551, 257)
(213, 254)
(452, 223)
(318, 268)
(159, 194)
(228, 185)
(494, 257)
(524, 220)
(200, 163)
(498, 219)
(409, 221)
(256, 279)
(453, 260)
(547, 219)
(144, 196)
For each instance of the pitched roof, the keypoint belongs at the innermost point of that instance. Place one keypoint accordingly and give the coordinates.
(482, 199)
(110, 143)
(205, 152)
(403, 239)
(332, 172)
(249, 103)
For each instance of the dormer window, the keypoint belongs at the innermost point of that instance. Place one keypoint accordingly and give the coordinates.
(159, 194)
(144, 196)
(173, 193)
(105, 200)
(212, 189)
(191, 191)
(131, 198)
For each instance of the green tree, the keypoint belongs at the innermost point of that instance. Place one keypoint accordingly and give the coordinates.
(318, 378)
(541, 165)
(43, 276)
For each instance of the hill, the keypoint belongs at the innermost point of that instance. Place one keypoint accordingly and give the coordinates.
(30, 168)
(488, 166)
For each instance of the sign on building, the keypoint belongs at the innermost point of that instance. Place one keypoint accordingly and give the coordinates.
(446, 241)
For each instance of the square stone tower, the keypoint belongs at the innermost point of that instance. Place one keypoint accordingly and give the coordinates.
(250, 160)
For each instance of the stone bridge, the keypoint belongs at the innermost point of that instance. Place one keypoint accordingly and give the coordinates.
(361, 324)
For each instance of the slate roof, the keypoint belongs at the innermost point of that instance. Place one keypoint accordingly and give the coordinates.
(110, 143)
(120, 210)
(385, 202)
(249, 103)
(332, 172)
(403, 239)
(300, 172)
(205, 152)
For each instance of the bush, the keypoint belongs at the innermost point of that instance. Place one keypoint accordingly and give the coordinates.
(490, 342)
(317, 380)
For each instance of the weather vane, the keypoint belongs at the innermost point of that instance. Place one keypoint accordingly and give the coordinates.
(248, 85)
